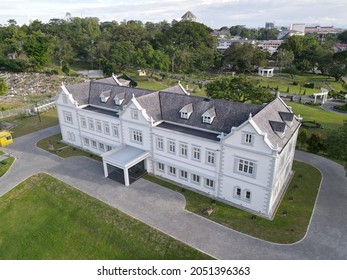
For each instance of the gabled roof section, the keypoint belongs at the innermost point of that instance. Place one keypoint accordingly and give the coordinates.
(270, 122)
(105, 95)
(177, 89)
(210, 113)
(151, 103)
(80, 92)
(187, 108)
(227, 114)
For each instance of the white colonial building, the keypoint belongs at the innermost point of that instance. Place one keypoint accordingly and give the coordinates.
(238, 153)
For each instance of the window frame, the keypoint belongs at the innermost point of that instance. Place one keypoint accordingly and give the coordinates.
(68, 117)
(172, 171)
(183, 148)
(159, 143)
(115, 130)
(210, 157)
(91, 124)
(194, 177)
(136, 136)
(160, 166)
(106, 128)
(183, 174)
(246, 167)
(83, 122)
(208, 183)
(98, 126)
(196, 151)
(171, 147)
(134, 114)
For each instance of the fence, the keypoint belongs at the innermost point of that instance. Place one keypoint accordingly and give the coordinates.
(29, 109)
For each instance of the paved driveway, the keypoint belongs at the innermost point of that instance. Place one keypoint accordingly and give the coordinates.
(164, 209)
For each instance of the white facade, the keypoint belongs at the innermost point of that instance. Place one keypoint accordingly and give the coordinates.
(246, 167)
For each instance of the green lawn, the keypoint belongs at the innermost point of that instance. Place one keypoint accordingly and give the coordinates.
(63, 150)
(298, 203)
(283, 81)
(43, 218)
(26, 125)
(329, 120)
(5, 164)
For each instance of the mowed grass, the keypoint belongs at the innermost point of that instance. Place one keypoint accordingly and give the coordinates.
(329, 120)
(5, 164)
(284, 81)
(63, 150)
(43, 218)
(26, 125)
(292, 217)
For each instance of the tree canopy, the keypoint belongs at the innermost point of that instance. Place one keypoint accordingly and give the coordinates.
(239, 89)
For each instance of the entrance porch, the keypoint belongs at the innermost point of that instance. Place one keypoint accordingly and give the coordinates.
(125, 164)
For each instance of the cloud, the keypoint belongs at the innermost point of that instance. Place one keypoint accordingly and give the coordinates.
(214, 13)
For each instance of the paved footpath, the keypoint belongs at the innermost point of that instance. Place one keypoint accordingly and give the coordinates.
(164, 209)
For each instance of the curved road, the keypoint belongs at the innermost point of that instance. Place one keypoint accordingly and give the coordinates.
(164, 209)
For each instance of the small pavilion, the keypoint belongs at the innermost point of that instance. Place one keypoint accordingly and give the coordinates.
(265, 72)
(323, 95)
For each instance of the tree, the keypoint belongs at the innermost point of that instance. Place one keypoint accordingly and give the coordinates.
(304, 49)
(38, 48)
(336, 143)
(190, 45)
(315, 143)
(3, 86)
(343, 37)
(284, 58)
(238, 88)
(244, 58)
(302, 137)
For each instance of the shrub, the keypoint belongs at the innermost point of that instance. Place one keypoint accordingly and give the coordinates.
(309, 85)
(295, 83)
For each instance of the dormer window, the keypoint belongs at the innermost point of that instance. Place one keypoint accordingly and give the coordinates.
(206, 119)
(186, 111)
(184, 115)
(118, 101)
(278, 128)
(104, 96)
(208, 116)
(287, 118)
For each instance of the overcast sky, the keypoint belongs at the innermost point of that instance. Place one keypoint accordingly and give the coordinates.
(213, 13)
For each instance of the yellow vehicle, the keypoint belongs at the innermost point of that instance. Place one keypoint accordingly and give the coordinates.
(5, 138)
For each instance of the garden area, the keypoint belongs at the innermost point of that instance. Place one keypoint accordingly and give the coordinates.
(292, 217)
(43, 218)
(5, 164)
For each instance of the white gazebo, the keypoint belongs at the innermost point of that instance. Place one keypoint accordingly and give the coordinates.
(265, 72)
(323, 95)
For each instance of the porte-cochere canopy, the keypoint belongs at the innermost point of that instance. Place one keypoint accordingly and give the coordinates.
(124, 157)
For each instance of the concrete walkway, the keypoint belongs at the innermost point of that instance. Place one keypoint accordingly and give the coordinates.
(164, 209)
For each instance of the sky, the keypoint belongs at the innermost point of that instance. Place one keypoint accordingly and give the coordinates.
(213, 13)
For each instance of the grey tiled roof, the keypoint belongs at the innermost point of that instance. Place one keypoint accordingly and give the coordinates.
(80, 92)
(272, 119)
(268, 121)
(228, 114)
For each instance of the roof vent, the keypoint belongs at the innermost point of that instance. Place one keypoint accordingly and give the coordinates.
(207, 99)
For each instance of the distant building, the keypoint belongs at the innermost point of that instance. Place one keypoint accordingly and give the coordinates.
(270, 46)
(221, 33)
(321, 31)
(189, 16)
(340, 47)
(269, 25)
(297, 29)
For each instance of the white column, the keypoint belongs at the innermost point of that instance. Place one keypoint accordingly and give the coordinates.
(315, 98)
(126, 177)
(105, 168)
